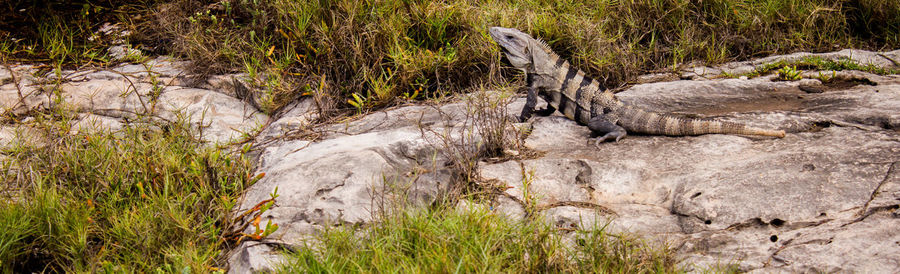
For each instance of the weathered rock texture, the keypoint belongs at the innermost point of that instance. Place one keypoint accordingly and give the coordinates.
(793, 204)
(824, 198)
(108, 98)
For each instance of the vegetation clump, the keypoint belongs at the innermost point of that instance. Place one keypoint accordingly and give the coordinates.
(152, 198)
(476, 241)
(789, 73)
(368, 54)
(144, 199)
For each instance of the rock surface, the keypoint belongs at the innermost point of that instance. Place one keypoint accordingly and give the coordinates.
(108, 98)
(824, 198)
(861, 57)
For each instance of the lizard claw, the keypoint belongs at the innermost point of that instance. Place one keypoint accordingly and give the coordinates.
(599, 140)
(617, 135)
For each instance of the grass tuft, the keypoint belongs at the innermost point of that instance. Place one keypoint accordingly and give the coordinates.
(478, 241)
(380, 50)
(146, 199)
(817, 63)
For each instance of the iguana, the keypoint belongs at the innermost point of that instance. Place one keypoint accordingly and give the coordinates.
(587, 102)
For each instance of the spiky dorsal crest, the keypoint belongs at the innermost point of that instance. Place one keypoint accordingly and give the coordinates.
(543, 63)
(542, 43)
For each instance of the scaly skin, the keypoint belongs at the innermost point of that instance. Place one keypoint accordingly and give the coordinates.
(587, 102)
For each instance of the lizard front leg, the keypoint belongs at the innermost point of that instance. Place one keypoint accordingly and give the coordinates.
(530, 102)
(600, 125)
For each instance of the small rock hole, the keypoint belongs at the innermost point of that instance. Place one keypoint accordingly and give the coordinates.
(818, 126)
(777, 222)
(773, 238)
(696, 195)
(823, 214)
(848, 82)
(822, 124)
(707, 222)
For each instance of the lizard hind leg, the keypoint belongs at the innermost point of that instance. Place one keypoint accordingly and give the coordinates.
(600, 125)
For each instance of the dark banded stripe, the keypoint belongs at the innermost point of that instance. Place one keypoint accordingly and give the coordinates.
(581, 102)
(559, 61)
(569, 76)
(687, 126)
(660, 125)
(561, 105)
(568, 107)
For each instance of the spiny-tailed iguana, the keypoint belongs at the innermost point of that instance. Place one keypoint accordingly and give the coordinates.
(585, 101)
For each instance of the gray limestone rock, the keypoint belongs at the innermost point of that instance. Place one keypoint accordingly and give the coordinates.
(889, 59)
(824, 198)
(796, 204)
(105, 98)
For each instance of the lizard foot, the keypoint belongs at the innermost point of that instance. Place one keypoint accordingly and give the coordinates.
(615, 134)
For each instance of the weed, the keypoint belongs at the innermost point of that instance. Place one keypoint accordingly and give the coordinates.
(475, 241)
(818, 63)
(359, 102)
(445, 43)
(789, 73)
(147, 198)
(484, 131)
(290, 45)
(825, 78)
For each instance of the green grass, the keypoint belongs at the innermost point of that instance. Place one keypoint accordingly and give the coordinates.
(152, 199)
(146, 199)
(818, 63)
(382, 49)
(449, 241)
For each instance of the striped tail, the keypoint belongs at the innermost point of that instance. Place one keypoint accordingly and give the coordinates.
(636, 120)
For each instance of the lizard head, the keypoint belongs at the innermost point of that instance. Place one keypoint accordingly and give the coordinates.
(524, 52)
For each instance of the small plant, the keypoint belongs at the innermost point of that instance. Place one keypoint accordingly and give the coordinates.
(529, 200)
(827, 78)
(445, 240)
(789, 73)
(381, 86)
(484, 132)
(411, 96)
(257, 212)
(359, 102)
(140, 199)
